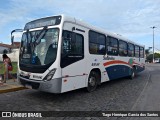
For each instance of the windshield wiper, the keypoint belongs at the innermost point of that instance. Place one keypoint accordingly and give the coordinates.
(40, 35)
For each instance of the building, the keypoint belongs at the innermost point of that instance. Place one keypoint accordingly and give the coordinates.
(5, 48)
(16, 45)
(11, 50)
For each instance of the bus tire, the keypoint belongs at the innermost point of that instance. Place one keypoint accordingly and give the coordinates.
(132, 73)
(92, 81)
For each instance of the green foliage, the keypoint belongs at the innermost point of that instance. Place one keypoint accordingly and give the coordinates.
(156, 55)
(147, 51)
(150, 57)
(14, 64)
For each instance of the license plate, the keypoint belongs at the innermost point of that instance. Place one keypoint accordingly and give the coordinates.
(26, 56)
(28, 86)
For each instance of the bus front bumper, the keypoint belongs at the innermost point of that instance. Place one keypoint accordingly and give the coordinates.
(52, 86)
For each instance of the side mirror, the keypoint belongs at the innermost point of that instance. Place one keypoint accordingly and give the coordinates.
(12, 37)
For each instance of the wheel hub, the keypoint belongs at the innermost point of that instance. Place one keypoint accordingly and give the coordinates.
(92, 81)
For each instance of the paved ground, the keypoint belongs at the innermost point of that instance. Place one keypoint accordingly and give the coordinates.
(149, 99)
(10, 86)
(118, 95)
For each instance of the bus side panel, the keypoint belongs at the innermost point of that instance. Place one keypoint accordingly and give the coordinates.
(118, 67)
(117, 71)
(96, 62)
(139, 64)
(75, 77)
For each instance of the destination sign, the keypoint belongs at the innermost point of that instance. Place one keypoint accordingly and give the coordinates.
(49, 21)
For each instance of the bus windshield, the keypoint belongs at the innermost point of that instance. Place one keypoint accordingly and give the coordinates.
(39, 47)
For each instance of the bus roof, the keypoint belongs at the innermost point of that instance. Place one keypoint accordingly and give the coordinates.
(86, 25)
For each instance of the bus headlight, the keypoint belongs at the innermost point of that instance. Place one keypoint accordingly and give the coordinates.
(50, 75)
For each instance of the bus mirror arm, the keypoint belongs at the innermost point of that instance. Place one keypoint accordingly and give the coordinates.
(12, 37)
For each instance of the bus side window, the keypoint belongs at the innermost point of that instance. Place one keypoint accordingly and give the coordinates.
(137, 51)
(122, 48)
(112, 46)
(130, 50)
(97, 43)
(141, 52)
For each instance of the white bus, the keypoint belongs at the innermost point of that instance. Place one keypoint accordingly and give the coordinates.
(60, 54)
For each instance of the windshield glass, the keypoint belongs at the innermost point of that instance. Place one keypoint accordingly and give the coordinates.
(39, 47)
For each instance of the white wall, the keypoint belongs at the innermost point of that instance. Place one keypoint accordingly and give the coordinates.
(2, 49)
(14, 56)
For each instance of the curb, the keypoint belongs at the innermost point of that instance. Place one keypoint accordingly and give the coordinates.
(12, 89)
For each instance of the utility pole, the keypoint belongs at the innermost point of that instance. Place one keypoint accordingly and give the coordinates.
(153, 41)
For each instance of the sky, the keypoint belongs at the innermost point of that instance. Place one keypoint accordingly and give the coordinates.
(129, 18)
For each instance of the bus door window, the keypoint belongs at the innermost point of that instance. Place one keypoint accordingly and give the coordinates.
(72, 48)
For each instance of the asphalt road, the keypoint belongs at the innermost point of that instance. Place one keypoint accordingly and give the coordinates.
(117, 95)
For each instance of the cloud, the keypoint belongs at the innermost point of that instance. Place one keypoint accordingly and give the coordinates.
(130, 18)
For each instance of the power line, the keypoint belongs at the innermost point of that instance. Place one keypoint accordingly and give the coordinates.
(157, 49)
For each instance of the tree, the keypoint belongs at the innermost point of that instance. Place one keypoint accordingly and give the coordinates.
(156, 55)
(147, 51)
(150, 57)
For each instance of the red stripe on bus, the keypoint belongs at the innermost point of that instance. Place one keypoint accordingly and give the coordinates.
(115, 62)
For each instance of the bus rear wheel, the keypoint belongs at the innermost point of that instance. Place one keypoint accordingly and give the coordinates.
(132, 73)
(92, 81)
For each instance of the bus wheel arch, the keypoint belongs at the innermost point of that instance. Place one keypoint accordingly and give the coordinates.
(94, 79)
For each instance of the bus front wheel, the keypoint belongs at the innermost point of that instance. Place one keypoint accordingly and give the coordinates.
(92, 81)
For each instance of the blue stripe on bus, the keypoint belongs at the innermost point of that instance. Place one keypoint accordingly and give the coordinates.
(119, 71)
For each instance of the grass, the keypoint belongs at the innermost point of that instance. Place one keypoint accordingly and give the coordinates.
(14, 64)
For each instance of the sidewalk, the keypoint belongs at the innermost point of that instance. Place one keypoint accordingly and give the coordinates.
(10, 86)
